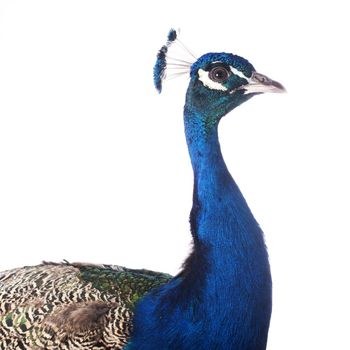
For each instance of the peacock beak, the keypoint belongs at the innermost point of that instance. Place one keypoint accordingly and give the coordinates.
(261, 83)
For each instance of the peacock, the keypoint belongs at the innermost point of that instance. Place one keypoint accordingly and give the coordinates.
(221, 298)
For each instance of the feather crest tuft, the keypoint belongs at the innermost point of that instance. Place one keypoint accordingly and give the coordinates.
(178, 67)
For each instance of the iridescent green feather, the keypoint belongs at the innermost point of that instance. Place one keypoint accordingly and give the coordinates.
(130, 284)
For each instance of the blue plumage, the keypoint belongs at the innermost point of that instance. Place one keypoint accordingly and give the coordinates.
(222, 297)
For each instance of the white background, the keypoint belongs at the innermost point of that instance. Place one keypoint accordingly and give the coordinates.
(94, 166)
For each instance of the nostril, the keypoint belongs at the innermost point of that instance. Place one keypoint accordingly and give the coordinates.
(263, 79)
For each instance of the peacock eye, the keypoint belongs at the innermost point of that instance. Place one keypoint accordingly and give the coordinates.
(219, 74)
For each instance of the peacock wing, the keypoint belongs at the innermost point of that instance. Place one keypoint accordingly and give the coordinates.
(71, 306)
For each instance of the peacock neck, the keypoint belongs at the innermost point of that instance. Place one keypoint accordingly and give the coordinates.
(219, 213)
(229, 261)
(205, 153)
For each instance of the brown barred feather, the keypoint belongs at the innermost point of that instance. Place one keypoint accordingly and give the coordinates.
(71, 306)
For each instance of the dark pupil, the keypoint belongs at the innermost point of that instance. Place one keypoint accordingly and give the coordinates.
(219, 74)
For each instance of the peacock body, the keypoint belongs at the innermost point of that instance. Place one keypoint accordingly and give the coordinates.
(222, 297)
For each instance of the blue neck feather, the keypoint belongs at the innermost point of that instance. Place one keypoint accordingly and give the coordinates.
(222, 298)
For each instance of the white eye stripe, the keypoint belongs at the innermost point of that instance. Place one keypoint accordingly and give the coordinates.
(203, 76)
(239, 73)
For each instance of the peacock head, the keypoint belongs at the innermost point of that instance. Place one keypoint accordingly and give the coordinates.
(222, 81)
(219, 82)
